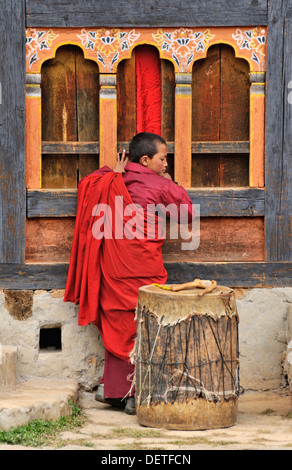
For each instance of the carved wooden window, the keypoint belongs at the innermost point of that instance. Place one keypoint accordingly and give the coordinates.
(70, 118)
(220, 119)
(211, 143)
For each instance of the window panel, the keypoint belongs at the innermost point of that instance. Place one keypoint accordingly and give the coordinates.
(220, 113)
(70, 113)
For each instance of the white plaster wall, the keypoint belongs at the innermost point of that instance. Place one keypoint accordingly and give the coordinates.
(262, 327)
(82, 351)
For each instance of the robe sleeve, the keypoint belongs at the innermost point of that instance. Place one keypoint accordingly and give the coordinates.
(103, 170)
(177, 195)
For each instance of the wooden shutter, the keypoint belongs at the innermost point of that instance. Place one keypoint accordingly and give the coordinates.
(70, 118)
(220, 120)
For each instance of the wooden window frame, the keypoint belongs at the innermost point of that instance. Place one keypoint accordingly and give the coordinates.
(273, 201)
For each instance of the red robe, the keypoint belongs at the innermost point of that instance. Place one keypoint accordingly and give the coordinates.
(105, 273)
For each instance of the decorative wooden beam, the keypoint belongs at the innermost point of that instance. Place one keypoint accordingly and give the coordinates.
(89, 13)
(229, 202)
(250, 275)
(233, 274)
(51, 203)
(55, 148)
(221, 147)
(203, 147)
(213, 202)
(125, 145)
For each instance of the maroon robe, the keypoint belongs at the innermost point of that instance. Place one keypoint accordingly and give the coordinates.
(105, 274)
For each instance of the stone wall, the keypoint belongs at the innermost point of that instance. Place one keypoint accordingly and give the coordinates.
(25, 313)
(263, 337)
(77, 352)
(288, 355)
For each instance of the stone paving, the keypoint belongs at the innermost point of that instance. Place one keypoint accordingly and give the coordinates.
(264, 422)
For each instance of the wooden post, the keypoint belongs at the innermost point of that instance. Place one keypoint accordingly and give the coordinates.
(183, 129)
(108, 120)
(278, 159)
(33, 131)
(257, 130)
(12, 132)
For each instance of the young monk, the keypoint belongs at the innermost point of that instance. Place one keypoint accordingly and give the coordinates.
(105, 272)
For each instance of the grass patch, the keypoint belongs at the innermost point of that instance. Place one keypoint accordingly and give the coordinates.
(268, 411)
(72, 442)
(123, 433)
(38, 433)
(136, 446)
(176, 443)
(140, 434)
(202, 441)
(134, 433)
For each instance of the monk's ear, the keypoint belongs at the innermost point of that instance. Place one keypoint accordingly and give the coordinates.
(144, 160)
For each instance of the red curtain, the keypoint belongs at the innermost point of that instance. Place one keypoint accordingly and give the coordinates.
(148, 90)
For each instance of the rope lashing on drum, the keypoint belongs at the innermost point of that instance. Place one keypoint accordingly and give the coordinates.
(209, 395)
(148, 371)
(186, 381)
(223, 362)
(130, 378)
(207, 285)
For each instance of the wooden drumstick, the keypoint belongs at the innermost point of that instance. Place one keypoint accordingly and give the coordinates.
(208, 286)
(186, 285)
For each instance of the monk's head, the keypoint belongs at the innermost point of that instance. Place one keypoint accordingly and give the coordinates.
(149, 150)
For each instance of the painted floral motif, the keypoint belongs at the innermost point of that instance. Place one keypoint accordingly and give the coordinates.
(38, 41)
(108, 43)
(255, 41)
(183, 43)
(108, 46)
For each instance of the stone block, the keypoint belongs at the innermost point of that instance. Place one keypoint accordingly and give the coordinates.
(36, 398)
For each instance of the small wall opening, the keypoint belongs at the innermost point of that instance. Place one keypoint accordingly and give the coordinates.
(50, 338)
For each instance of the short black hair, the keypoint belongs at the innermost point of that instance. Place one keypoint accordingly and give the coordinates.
(144, 143)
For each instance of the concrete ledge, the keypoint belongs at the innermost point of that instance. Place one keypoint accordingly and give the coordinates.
(36, 398)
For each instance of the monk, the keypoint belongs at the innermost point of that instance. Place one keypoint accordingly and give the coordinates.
(117, 248)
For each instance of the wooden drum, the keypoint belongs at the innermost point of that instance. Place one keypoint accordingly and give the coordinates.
(186, 356)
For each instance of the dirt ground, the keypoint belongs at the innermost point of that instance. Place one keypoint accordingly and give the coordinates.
(264, 422)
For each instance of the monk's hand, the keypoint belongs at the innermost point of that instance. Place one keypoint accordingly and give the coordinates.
(166, 175)
(122, 161)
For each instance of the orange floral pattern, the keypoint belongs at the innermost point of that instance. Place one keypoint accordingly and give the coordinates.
(37, 41)
(182, 46)
(183, 43)
(255, 41)
(108, 43)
